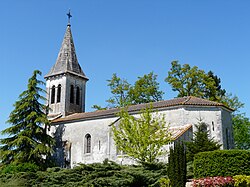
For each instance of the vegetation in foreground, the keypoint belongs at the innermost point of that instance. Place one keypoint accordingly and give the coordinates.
(99, 175)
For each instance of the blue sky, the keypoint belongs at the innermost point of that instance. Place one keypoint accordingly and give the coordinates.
(130, 38)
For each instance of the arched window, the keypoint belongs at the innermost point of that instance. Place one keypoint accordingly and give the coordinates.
(77, 95)
(87, 143)
(71, 94)
(58, 98)
(53, 92)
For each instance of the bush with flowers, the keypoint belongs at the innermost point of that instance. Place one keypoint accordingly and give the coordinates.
(214, 182)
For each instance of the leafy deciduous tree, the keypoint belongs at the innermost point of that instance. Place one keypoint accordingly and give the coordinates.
(191, 81)
(145, 90)
(241, 125)
(27, 141)
(142, 138)
(119, 88)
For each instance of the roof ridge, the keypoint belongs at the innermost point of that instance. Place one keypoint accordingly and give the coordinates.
(176, 102)
(187, 99)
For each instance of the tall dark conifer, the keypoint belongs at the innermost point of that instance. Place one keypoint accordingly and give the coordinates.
(201, 142)
(177, 169)
(27, 141)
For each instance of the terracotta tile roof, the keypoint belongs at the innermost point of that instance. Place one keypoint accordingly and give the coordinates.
(179, 131)
(187, 101)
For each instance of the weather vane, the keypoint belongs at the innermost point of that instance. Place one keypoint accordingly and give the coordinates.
(69, 16)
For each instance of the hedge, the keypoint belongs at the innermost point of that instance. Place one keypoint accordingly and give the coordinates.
(222, 163)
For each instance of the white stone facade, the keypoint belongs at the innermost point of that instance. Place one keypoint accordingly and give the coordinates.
(103, 145)
(64, 107)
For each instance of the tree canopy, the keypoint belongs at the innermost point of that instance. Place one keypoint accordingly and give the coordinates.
(192, 81)
(142, 137)
(27, 141)
(145, 90)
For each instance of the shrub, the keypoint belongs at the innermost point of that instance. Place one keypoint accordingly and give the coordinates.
(222, 163)
(99, 175)
(15, 168)
(164, 182)
(241, 180)
(213, 181)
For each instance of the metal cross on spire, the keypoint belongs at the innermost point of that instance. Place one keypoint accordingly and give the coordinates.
(69, 16)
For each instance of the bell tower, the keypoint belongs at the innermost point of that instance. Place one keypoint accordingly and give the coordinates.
(66, 82)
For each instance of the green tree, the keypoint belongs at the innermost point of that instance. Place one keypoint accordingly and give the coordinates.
(177, 166)
(191, 81)
(186, 80)
(241, 126)
(214, 92)
(27, 141)
(142, 138)
(200, 141)
(119, 88)
(233, 102)
(145, 90)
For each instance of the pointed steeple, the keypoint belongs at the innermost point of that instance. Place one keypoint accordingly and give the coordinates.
(66, 82)
(67, 61)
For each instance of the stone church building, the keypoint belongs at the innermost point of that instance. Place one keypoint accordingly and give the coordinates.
(86, 137)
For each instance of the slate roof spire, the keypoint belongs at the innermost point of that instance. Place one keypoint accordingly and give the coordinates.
(67, 60)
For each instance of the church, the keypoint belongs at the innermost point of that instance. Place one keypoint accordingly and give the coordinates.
(86, 137)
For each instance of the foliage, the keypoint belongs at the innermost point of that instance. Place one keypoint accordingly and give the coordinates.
(191, 81)
(177, 168)
(232, 101)
(190, 170)
(164, 182)
(142, 138)
(144, 90)
(213, 181)
(222, 163)
(215, 92)
(23, 167)
(241, 180)
(200, 141)
(119, 88)
(99, 175)
(241, 125)
(27, 141)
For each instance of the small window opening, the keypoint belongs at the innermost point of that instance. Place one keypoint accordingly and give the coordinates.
(53, 91)
(87, 143)
(59, 93)
(71, 94)
(77, 95)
